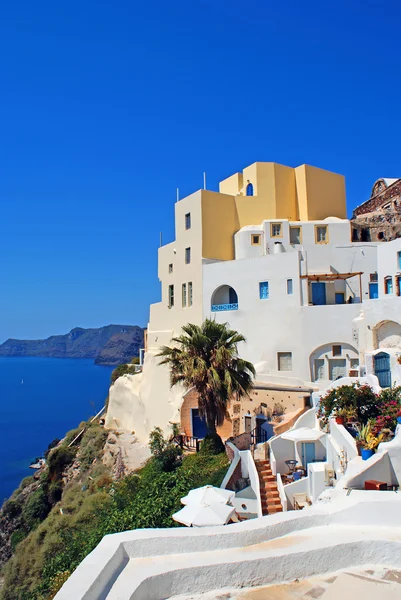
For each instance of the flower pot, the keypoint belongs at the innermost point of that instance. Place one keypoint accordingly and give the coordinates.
(340, 420)
(365, 453)
(359, 448)
(398, 419)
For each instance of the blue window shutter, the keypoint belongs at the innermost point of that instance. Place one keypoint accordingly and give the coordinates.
(263, 290)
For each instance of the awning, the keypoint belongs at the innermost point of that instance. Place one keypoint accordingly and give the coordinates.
(303, 434)
(208, 495)
(330, 276)
(204, 516)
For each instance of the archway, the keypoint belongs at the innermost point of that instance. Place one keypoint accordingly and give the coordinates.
(333, 361)
(224, 298)
(387, 335)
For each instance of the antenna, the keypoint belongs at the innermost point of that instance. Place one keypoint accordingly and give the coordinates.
(204, 180)
(178, 194)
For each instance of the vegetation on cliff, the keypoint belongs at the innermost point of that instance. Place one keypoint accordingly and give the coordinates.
(76, 502)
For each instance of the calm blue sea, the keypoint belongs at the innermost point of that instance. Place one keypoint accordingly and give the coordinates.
(55, 396)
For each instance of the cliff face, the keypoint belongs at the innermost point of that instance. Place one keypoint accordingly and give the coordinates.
(112, 344)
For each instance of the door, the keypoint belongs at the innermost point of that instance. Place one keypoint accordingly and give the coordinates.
(308, 453)
(318, 292)
(319, 369)
(382, 369)
(199, 429)
(373, 290)
(337, 368)
(340, 298)
(248, 424)
(261, 434)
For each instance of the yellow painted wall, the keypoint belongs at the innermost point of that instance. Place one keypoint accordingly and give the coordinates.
(219, 223)
(285, 193)
(232, 185)
(320, 193)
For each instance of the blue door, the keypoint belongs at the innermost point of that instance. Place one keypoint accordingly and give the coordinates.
(318, 292)
(382, 369)
(373, 290)
(199, 429)
(308, 453)
(339, 298)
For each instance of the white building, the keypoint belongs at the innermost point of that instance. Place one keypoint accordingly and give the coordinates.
(271, 254)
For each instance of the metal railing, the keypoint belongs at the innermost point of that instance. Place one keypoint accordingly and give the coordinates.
(187, 442)
(221, 307)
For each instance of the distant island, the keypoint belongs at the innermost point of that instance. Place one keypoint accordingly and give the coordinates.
(109, 345)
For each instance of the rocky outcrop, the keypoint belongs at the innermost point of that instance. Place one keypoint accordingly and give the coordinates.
(109, 345)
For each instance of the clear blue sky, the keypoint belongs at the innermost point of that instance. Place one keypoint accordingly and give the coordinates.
(107, 107)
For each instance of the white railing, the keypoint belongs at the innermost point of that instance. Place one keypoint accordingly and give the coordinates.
(281, 491)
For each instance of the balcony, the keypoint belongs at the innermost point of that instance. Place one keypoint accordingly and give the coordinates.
(221, 307)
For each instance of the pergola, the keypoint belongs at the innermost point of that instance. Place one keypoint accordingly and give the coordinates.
(330, 277)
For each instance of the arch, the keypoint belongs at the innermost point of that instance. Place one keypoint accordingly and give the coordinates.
(378, 187)
(224, 298)
(249, 189)
(332, 361)
(387, 334)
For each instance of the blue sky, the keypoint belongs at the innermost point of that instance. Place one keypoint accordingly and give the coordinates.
(107, 107)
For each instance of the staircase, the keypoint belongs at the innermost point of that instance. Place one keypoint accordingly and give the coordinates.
(269, 493)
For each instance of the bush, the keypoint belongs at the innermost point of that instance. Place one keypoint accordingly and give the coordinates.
(167, 454)
(360, 399)
(12, 508)
(59, 459)
(91, 445)
(212, 445)
(122, 370)
(17, 536)
(52, 445)
(36, 508)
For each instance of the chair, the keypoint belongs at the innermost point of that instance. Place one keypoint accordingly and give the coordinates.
(300, 501)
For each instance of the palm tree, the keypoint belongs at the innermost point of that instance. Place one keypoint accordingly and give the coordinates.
(206, 357)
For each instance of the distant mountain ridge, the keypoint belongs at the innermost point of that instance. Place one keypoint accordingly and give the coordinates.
(109, 345)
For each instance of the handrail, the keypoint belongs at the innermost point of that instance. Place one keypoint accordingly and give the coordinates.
(187, 441)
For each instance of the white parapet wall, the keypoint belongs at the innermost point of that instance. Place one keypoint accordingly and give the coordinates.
(157, 564)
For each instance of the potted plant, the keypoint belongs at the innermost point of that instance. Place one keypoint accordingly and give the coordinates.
(340, 415)
(368, 441)
(351, 415)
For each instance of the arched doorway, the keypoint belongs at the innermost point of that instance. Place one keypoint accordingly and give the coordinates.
(382, 369)
(249, 189)
(224, 298)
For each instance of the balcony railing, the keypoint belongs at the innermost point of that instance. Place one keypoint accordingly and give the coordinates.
(220, 307)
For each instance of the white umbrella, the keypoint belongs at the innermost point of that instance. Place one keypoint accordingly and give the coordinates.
(303, 434)
(204, 515)
(208, 495)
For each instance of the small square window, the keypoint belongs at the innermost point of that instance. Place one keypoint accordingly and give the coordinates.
(255, 239)
(187, 256)
(295, 235)
(190, 293)
(289, 287)
(336, 350)
(275, 230)
(284, 360)
(321, 234)
(171, 296)
(170, 268)
(188, 221)
(264, 290)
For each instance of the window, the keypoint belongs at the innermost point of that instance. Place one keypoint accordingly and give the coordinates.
(255, 240)
(319, 369)
(171, 296)
(399, 260)
(380, 235)
(388, 285)
(295, 235)
(373, 277)
(187, 256)
(249, 189)
(190, 293)
(188, 221)
(264, 290)
(275, 230)
(284, 360)
(336, 350)
(321, 234)
(170, 268)
(289, 287)
(184, 294)
(337, 368)
(354, 363)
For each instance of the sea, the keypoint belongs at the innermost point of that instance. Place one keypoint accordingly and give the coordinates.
(40, 400)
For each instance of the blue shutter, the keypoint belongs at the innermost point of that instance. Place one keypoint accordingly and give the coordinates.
(264, 290)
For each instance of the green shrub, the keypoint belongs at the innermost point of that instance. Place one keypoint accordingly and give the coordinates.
(36, 508)
(167, 454)
(91, 446)
(122, 370)
(212, 444)
(17, 536)
(12, 508)
(59, 459)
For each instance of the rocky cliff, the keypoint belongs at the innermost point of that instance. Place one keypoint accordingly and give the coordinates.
(111, 345)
